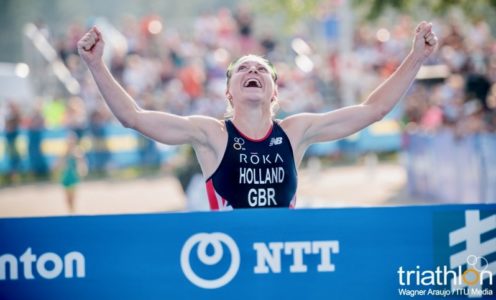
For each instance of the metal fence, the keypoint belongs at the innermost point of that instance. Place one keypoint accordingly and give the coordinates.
(446, 168)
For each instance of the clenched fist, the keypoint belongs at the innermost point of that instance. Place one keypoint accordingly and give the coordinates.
(90, 46)
(425, 41)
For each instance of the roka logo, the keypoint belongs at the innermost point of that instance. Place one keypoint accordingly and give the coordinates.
(203, 240)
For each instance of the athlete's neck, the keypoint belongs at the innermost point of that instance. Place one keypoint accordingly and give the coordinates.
(255, 124)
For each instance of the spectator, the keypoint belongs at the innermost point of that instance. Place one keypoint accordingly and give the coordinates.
(99, 155)
(12, 129)
(37, 160)
(72, 167)
(75, 117)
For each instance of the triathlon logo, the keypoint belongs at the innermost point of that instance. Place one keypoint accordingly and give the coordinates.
(472, 274)
(478, 268)
(464, 254)
(238, 143)
(210, 258)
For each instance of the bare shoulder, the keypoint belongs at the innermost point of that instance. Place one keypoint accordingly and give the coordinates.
(213, 131)
(296, 119)
(206, 121)
(296, 126)
(211, 146)
(208, 124)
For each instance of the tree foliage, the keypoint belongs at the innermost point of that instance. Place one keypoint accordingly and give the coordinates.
(293, 10)
(471, 8)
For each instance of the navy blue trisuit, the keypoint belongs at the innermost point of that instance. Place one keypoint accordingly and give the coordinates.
(254, 173)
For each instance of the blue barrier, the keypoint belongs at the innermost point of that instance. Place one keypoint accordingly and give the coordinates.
(380, 137)
(121, 147)
(446, 168)
(354, 253)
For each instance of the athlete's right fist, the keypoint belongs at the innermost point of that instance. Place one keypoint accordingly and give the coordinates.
(90, 46)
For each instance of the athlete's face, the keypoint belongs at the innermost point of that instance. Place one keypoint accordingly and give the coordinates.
(251, 80)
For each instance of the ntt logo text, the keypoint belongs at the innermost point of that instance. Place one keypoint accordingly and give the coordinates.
(47, 265)
(268, 257)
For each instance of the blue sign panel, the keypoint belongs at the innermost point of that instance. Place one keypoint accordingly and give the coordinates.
(377, 253)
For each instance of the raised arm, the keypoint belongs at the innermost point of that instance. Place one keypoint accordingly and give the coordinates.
(306, 129)
(162, 127)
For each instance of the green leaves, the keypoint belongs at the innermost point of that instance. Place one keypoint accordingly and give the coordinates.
(294, 10)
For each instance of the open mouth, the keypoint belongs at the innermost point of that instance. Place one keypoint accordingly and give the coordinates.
(253, 83)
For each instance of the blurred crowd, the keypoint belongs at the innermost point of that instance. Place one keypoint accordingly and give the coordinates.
(463, 98)
(165, 69)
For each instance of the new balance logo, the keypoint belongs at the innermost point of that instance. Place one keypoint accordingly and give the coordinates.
(275, 141)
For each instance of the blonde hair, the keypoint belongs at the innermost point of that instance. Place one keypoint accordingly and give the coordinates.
(274, 106)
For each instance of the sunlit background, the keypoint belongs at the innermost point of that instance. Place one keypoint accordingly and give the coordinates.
(437, 146)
